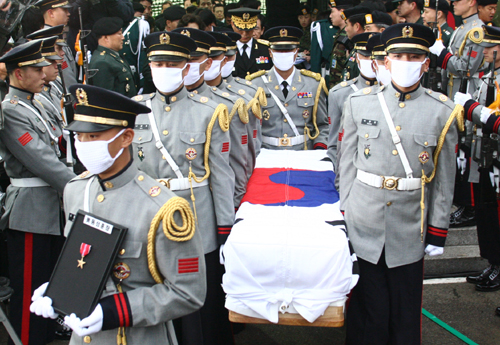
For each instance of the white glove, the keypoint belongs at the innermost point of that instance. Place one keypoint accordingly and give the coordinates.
(461, 98)
(433, 250)
(221, 255)
(66, 134)
(461, 161)
(485, 114)
(90, 325)
(437, 47)
(42, 306)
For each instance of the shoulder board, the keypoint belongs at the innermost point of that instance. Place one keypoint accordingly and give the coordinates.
(202, 99)
(343, 84)
(438, 96)
(223, 94)
(12, 101)
(308, 73)
(255, 75)
(83, 176)
(140, 98)
(264, 42)
(156, 190)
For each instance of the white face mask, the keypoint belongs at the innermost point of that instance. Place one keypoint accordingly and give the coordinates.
(406, 73)
(214, 70)
(167, 79)
(365, 67)
(194, 73)
(95, 156)
(227, 69)
(283, 61)
(383, 75)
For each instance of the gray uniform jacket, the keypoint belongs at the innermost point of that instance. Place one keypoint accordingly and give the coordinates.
(455, 64)
(382, 218)
(52, 107)
(245, 89)
(131, 199)
(238, 133)
(182, 124)
(29, 151)
(336, 99)
(69, 68)
(299, 104)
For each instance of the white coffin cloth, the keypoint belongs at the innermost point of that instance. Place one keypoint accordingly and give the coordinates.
(287, 259)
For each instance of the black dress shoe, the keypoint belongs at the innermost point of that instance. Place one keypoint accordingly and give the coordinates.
(480, 278)
(464, 218)
(4, 281)
(497, 311)
(493, 282)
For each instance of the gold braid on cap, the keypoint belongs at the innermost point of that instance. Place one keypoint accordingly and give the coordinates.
(245, 22)
(173, 231)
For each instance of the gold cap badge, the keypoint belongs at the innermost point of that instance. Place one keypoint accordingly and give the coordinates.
(368, 18)
(283, 32)
(164, 39)
(186, 33)
(426, 3)
(407, 32)
(81, 95)
(246, 16)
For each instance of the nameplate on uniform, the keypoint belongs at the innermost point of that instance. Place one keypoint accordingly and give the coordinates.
(85, 264)
(369, 122)
(143, 126)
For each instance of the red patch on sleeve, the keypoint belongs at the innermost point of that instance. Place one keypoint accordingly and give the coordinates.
(225, 147)
(189, 265)
(341, 135)
(25, 138)
(255, 134)
(456, 148)
(473, 54)
(329, 120)
(64, 65)
(244, 139)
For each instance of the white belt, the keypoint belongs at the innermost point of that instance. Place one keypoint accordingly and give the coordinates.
(181, 183)
(389, 183)
(28, 182)
(285, 141)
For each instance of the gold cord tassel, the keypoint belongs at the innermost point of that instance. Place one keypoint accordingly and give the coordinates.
(458, 113)
(171, 229)
(241, 107)
(321, 86)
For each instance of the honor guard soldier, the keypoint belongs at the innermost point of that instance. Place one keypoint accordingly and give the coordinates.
(429, 16)
(143, 293)
(377, 47)
(33, 213)
(203, 78)
(338, 94)
(485, 188)
(252, 94)
(253, 54)
(113, 72)
(341, 43)
(457, 64)
(55, 13)
(184, 142)
(295, 116)
(355, 25)
(486, 10)
(388, 155)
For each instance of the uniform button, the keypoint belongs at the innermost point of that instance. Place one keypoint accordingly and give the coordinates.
(426, 143)
(398, 128)
(108, 184)
(401, 105)
(52, 143)
(229, 86)
(286, 104)
(173, 99)
(395, 152)
(366, 135)
(122, 251)
(140, 138)
(165, 132)
(126, 78)
(389, 203)
(167, 108)
(305, 103)
(124, 54)
(87, 339)
(191, 140)
(192, 95)
(214, 88)
(163, 157)
(100, 198)
(285, 120)
(140, 178)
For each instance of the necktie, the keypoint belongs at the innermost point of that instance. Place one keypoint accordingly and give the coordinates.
(244, 55)
(285, 89)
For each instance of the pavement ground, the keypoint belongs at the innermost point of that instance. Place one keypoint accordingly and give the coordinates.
(453, 301)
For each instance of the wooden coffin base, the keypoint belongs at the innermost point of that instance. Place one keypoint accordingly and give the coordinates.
(333, 317)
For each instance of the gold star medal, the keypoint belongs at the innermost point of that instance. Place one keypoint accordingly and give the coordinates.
(84, 251)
